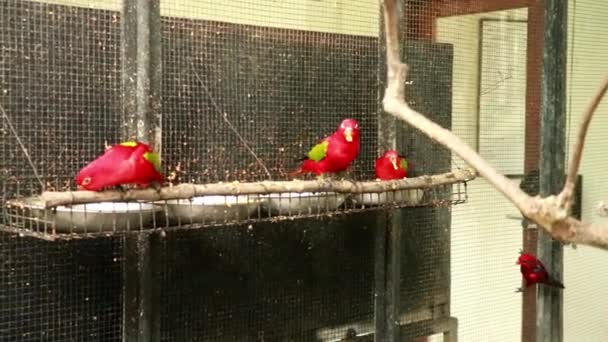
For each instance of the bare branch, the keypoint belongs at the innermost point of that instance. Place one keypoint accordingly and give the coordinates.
(51, 199)
(577, 153)
(395, 104)
(552, 213)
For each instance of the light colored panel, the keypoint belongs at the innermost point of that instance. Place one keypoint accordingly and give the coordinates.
(485, 243)
(586, 293)
(113, 5)
(502, 99)
(356, 17)
(485, 246)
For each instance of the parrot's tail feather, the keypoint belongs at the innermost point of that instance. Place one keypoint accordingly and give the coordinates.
(555, 283)
(296, 173)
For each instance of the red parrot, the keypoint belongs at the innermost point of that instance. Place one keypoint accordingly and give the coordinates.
(129, 162)
(334, 153)
(391, 166)
(534, 272)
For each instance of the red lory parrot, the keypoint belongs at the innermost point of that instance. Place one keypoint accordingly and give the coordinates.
(391, 166)
(130, 162)
(534, 272)
(334, 153)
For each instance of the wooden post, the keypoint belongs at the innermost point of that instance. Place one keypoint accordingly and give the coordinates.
(534, 62)
(552, 160)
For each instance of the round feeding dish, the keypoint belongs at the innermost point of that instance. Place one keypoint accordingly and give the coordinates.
(210, 209)
(96, 217)
(296, 203)
(400, 197)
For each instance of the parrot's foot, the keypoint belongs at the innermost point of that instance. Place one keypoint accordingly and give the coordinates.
(156, 186)
(519, 289)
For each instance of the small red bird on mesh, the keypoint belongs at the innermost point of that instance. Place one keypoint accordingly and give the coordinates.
(130, 162)
(391, 165)
(534, 272)
(334, 153)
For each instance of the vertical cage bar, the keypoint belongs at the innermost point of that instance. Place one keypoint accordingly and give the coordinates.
(141, 71)
(552, 160)
(388, 255)
(141, 319)
(141, 77)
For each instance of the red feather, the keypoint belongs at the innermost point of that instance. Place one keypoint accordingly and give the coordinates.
(385, 170)
(117, 166)
(340, 152)
(534, 272)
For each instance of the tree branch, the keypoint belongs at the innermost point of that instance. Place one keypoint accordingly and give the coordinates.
(50, 199)
(577, 153)
(552, 213)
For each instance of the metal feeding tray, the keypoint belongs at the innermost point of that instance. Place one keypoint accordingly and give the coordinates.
(210, 209)
(410, 197)
(93, 217)
(293, 203)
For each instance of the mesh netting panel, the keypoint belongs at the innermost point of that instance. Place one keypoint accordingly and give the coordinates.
(60, 291)
(59, 85)
(59, 82)
(246, 89)
(232, 89)
(268, 282)
(489, 113)
(585, 297)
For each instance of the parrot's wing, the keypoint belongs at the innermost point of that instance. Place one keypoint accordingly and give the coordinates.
(153, 158)
(538, 268)
(319, 151)
(404, 164)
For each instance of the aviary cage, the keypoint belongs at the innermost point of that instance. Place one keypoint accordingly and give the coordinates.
(231, 249)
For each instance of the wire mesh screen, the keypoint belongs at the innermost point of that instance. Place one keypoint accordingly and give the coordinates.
(489, 105)
(584, 301)
(60, 291)
(272, 282)
(244, 102)
(247, 88)
(59, 81)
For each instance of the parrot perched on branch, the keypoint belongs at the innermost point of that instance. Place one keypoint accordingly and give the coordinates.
(391, 166)
(334, 153)
(534, 272)
(129, 162)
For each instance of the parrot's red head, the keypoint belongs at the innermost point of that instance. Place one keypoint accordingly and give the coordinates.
(393, 158)
(526, 258)
(349, 128)
(87, 179)
(125, 163)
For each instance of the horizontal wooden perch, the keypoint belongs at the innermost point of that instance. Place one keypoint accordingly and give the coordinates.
(50, 199)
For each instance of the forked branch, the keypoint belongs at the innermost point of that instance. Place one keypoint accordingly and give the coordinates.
(552, 213)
